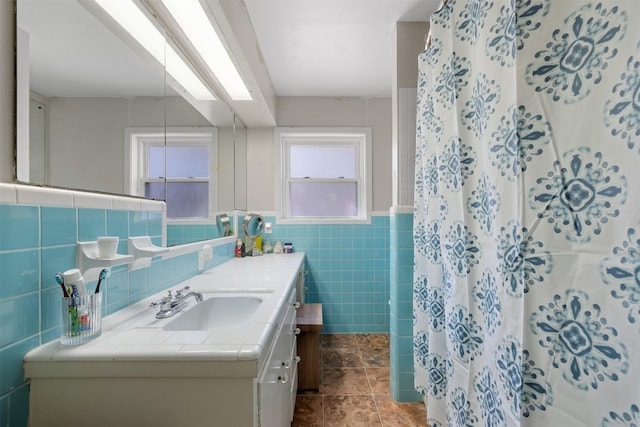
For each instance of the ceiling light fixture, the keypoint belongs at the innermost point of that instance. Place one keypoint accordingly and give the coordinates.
(195, 23)
(136, 23)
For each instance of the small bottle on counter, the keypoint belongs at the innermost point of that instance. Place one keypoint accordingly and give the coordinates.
(278, 249)
(267, 247)
(238, 249)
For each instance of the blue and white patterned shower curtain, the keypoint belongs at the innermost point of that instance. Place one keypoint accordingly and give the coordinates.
(527, 214)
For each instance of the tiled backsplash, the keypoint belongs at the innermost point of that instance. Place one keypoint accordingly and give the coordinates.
(39, 229)
(348, 271)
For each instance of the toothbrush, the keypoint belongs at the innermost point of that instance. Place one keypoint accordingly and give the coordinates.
(103, 275)
(60, 280)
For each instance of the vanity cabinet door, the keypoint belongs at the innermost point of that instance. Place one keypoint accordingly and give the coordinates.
(290, 330)
(293, 384)
(275, 383)
(273, 388)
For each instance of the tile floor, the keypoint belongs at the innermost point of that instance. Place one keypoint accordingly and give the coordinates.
(354, 388)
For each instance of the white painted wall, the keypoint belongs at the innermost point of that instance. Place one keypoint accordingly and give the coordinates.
(260, 170)
(319, 112)
(86, 136)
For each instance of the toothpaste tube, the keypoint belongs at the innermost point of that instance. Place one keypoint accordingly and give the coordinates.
(75, 280)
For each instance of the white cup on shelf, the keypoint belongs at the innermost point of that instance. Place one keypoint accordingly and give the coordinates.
(107, 246)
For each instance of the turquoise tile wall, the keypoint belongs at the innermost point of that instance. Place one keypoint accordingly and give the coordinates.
(348, 271)
(353, 270)
(38, 241)
(178, 234)
(401, 315)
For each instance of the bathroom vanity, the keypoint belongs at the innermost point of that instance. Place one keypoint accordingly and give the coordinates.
(192, 369)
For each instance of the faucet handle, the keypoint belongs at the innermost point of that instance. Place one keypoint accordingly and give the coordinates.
(180, 291)
(161, 301)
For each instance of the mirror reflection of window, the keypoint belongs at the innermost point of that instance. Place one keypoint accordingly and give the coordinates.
(187, 179)
(177, 167)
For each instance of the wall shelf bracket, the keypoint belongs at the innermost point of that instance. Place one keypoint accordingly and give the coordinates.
(90, 264)
(142, 249)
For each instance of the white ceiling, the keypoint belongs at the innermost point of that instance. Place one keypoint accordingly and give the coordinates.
(332, 47)
(338, 48)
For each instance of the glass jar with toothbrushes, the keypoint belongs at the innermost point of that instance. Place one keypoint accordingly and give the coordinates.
(81, 311)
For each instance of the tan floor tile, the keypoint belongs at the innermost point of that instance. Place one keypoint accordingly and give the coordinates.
(352, 411)
(338, 340)
(401, 414)
(366, 341)
(378, 380)
(345, 381)
(354, 389)
(375, 357)
(308, 412)
(341, 358)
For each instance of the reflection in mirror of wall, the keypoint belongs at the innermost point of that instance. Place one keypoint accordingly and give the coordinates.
(80, 85)
(239, 165)
(37, 139)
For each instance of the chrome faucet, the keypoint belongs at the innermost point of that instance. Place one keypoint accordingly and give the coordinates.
(180, 297)
(171, 305)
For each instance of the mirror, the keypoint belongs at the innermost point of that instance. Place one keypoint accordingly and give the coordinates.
(252, 227)
(80, 85)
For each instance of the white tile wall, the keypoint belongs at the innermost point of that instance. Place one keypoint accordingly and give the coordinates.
(407, 144)
(126, 204)
(43, 196)
(34, 195)
(92, 201)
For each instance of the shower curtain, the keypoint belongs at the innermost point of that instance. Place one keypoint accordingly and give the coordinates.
(526, 222)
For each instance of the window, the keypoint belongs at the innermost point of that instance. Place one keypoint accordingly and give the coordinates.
(177, 165)
(323, 174)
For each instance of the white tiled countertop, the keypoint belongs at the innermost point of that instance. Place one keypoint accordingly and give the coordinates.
(120, 349)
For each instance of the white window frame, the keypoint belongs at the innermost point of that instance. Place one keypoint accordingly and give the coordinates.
(285, 137)
(137, 143)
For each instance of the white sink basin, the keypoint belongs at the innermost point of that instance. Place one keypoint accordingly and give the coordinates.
(217, 311)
